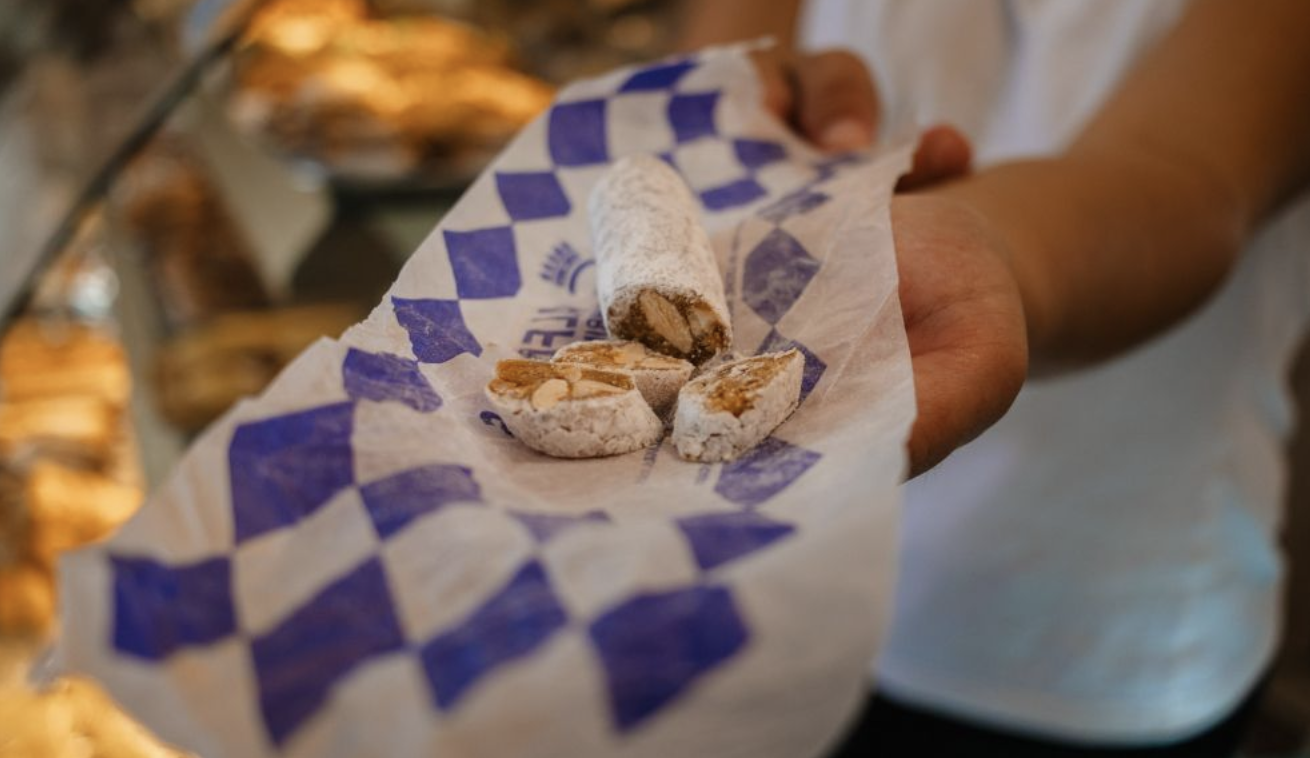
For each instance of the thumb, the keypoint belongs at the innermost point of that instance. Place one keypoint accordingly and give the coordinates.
(943, 154)
(836, 104)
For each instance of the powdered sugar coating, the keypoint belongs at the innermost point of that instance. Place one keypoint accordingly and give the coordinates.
(590, 428)
(648, 237)
(731, 409)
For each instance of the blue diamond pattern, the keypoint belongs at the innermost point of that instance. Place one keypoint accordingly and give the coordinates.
(765, 471)
(775, 274)
(514, 622)
(576, 133)
(718, 538)
(485, 262)
(545, 526)
(437, 331)
(692, 116)
(286, 467)
(797, 203)
(756, 153)
(657, 77)
(829, 167)
(740, 192)
(160, 608)
(383, 377)
(814, 366)
(399, 499)
(654, 646)
(298, 662)
(535, 195)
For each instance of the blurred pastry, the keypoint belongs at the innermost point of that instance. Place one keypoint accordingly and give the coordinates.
(80, 426)
(39, 359)
(68, 508)
(28, 594)
(201, 263)
(201, 373)
(377, 98)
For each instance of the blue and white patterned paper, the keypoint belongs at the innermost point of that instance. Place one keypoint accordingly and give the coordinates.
(362, 561)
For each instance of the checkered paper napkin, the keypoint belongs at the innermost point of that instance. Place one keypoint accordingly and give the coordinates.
(363, 562)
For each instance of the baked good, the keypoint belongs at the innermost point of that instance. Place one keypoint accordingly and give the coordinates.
(656, 273)
(731, 408)
(572, 411)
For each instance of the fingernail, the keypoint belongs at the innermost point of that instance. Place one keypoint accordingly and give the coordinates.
(846, 134)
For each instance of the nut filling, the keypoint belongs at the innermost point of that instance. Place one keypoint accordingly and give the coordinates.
(572, 411)
(732, 408)
(736, 386)
(658, 377)
(618, 354)
(683, 327)
(546, 384)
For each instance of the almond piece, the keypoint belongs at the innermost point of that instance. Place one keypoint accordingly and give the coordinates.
(549, 394)
(664, 319)
(656, 361)
(590, 388)
(701, 319)
(631, 354)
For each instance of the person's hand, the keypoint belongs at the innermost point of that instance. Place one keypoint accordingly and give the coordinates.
(964, 320)
(830, 99)
(962, 310)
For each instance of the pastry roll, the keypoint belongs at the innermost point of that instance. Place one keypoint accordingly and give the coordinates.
(572, 411)
(658, 279)
(731, 408)
(658, 377)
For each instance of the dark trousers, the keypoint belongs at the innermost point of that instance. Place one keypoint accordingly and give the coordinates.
(887, 728)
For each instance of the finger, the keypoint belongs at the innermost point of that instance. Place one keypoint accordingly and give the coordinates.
(836, 104)
(943, 154)
(777, 95)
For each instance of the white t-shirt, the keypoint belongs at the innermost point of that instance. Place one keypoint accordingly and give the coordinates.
(1101, 565)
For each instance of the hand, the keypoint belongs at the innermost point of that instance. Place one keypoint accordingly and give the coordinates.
(830, 99)
(964, 320)
(963, 315)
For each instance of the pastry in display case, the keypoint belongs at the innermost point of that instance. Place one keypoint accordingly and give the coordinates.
(173, 215)
(73, 718)
(202, 372)
(67, 471)
(375, 99)
(69, 476)
(223, 336)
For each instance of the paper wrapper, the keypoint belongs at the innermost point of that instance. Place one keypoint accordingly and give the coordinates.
(362, 561)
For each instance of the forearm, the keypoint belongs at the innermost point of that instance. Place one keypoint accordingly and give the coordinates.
(1108, 249)
(1141, 219)
(713, 22)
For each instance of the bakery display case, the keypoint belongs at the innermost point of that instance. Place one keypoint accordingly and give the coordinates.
(192, 192)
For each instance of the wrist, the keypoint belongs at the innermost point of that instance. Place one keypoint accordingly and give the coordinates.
(1105, 225)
